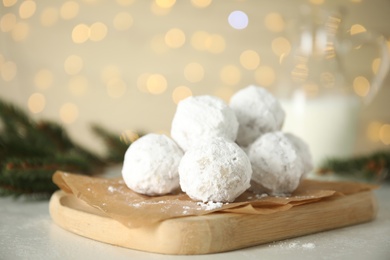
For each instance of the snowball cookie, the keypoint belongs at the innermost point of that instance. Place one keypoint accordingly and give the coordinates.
(277, 166)
(215, 170)
(151, 165)
(257, 112)
(303, 151)
(202, 116)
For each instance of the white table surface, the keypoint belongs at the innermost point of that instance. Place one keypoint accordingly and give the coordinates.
(27, 232)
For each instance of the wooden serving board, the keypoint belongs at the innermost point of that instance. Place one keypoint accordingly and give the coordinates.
(216, 232)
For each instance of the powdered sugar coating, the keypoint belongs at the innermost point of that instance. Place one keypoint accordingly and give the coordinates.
(151, 165)
(215, 170)
(277, 166)
(203, 116)
(303, 150)
(257, 112)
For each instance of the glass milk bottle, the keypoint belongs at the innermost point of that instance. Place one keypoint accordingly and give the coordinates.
(319, 87)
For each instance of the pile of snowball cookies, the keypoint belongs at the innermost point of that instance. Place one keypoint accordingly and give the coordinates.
(217, 151)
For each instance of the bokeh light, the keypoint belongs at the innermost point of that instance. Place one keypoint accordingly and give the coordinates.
(361, 86)
(69, 10)
(317, 2)
(201, 3)
(281, 45)
(175, 38)
(49, 16)
(36, 103)
(384, 134)
(264, 76)
(199, 40)
(156, 84)
(165, 3)
(158, 9)
(98, 31)
(193, 72)
(69, 112)
(373, 129)
(122, 21)
(73, 65)
(20, 31)
(250, 59)
(375, 65)
(274, 22)
(8, 70)
(7, 22)
(80, 33)
(238, 20)
(141, 82)
(230, 75)
(357, 28)
(181, 93)
(110, 72)
(27, 9)
(8, 3)
(43, 79)
(215, 43)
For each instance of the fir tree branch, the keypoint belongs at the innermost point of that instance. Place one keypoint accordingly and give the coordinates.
(372, 167)
(30, 152)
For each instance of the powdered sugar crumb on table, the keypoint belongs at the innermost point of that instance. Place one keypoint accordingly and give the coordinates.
(292, 245)
(210, 205)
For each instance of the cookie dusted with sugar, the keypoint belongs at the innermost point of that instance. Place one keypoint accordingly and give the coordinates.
(276, 163)
(151, 165)
(303, 150)
(215, 170)
(200, 117)
(257, 112)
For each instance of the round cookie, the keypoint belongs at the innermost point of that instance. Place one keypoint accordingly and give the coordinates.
(257, 112)
(215, 170)
(151, 165)
(303, 150)
(202, 116)
(276, 164)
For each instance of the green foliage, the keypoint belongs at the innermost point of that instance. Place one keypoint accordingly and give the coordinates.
(374, 167)
(31, 151)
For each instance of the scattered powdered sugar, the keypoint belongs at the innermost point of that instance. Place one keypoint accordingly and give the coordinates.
(292, 245)
(185, 209)
(210, 205)
(139, 204)
(309, 245)
(111, 189)
(258, 196)
(136, 205)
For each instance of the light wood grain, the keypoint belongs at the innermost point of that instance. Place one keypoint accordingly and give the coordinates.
(215, 232)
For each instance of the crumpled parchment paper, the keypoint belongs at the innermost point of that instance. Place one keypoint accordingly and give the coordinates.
(134, 210)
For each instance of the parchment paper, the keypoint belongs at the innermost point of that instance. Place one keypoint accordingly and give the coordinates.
(134, 210)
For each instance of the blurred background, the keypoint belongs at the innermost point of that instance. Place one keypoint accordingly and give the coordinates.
(125, 64)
